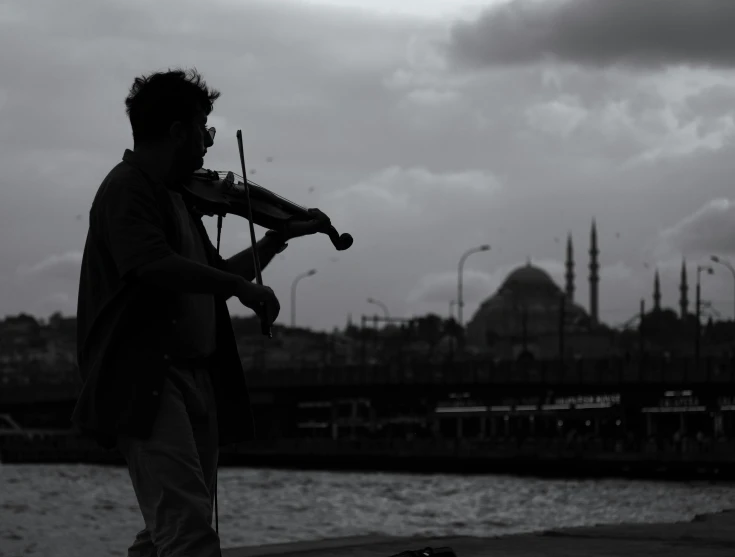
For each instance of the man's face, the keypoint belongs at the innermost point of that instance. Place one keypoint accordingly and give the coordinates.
(190, 153)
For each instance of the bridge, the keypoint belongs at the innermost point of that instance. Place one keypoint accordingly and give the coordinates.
(574, 377)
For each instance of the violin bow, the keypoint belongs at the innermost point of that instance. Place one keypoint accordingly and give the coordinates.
(212, 132)
(264, 326)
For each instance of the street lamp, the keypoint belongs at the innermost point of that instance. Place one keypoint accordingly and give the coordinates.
(381, 305)
(465, 255)
(727, 264)
(293, 294)
(697, 309)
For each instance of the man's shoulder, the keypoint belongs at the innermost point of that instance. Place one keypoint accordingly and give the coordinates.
(123, 182)
(124, 177)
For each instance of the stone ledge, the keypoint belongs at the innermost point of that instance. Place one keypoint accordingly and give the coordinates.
(710, 535)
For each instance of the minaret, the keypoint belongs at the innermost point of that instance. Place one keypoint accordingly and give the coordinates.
(656, 292)
(570, 270)
(684, 291)
(594, 275)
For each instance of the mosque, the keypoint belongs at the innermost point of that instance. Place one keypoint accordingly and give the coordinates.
(529, 313)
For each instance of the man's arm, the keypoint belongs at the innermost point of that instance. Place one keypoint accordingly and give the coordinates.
(184, 275)
(132, 228)
(273, 243)
(241, 263)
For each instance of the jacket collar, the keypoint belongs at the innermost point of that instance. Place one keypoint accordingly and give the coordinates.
(160, 191)
(151, 172)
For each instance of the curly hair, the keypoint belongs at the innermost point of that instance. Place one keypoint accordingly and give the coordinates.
(162, 98)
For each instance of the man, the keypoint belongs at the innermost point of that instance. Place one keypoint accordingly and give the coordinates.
(162, 378)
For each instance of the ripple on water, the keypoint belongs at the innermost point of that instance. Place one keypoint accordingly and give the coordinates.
(83, 511)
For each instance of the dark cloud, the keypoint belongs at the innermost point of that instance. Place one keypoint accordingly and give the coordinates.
(632, 33)
(361, 117)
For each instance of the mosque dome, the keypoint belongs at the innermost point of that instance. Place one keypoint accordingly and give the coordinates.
(529, 281)
(527, 302)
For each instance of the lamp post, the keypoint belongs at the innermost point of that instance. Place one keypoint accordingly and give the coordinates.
(465, 255)
(697, 310)
(727, 264)
(293, 294)
(381, 305)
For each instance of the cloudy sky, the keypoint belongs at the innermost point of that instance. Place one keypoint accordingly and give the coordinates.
(422, 127)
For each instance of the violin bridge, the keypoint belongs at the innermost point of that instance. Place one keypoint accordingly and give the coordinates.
(229, 180)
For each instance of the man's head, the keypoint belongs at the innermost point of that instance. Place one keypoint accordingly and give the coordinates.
(168, 113)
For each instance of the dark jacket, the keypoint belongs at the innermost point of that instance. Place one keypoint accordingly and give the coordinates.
(124, 327)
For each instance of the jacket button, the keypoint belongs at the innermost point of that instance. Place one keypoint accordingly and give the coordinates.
(174, 321)
(155, 393)
(165, 357)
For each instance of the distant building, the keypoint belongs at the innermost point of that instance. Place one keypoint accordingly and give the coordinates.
(529, 313)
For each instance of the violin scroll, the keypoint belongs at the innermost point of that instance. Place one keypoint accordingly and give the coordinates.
(341, 242)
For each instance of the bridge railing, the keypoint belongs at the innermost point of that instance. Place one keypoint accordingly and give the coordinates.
(580, 372)
(606, 372)
(498, 446)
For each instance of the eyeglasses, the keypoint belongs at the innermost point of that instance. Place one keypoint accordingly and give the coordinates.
(212, 132)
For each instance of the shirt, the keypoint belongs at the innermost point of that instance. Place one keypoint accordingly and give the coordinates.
(196, 324)
(125, 329)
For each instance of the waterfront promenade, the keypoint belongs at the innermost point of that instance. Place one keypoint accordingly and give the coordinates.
(710, 535)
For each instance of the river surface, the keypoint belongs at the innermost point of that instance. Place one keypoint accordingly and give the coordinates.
(90, 511)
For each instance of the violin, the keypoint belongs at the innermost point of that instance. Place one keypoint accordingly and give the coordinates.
(213, 192)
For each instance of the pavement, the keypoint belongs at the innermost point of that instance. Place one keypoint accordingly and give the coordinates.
(711, 535)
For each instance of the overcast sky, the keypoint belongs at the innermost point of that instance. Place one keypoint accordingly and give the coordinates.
(423, 128)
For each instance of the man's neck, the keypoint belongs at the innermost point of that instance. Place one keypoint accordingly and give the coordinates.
(159, 162)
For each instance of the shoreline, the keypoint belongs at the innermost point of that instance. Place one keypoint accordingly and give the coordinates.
(571, 469)
(710, 534)
(360, 457)
(591, 466)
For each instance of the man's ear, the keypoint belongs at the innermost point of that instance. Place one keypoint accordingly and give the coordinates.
(178, 133)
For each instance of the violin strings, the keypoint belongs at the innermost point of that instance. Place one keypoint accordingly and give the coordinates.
(253, 183)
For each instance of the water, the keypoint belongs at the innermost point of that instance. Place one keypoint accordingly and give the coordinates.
(90, 511)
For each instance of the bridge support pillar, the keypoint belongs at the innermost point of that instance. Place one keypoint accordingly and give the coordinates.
(717, 426)
(683, 424)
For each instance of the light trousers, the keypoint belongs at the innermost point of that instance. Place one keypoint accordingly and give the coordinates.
(174, 471)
